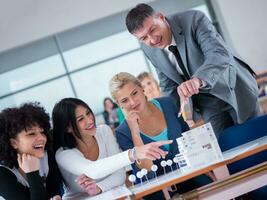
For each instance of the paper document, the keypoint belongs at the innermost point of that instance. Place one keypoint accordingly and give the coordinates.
(115, 193)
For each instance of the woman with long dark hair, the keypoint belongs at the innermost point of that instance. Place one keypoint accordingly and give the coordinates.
(88, 156)
(110, 113)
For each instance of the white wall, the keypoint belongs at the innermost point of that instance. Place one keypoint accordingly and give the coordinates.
(24, 21)
(244, 26)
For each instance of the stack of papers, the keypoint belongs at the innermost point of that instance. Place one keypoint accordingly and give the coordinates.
(115, 193)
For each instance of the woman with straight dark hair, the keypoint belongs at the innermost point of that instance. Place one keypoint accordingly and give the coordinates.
(28, 170)
(88, 155)
(110, 113)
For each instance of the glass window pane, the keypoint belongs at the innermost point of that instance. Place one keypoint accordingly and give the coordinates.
(47, 94)
(100, 50)
(92, 84)
(31, 74)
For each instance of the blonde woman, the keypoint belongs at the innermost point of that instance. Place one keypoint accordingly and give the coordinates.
(147, 121)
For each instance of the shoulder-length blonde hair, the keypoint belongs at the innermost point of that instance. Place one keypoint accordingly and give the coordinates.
(119, 80)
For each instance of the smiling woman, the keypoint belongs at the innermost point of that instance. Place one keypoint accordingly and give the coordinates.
(31, 140)
(150, 85)
(146, 122)
(88, 155)
(27, 168)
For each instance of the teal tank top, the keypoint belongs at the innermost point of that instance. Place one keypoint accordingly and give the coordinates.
(164, 134)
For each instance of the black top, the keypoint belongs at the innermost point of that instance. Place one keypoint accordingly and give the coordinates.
(11, 189)
(114, 124)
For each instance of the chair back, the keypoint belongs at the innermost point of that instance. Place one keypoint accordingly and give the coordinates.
(241, 134)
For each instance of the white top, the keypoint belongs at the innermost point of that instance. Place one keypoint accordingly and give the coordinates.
(175, 63)
(172, 57)
(107, 170)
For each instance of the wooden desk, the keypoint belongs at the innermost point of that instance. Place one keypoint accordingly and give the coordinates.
(233, 186)
(220, 170)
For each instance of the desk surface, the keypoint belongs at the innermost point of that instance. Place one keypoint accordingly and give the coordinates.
(176, 176)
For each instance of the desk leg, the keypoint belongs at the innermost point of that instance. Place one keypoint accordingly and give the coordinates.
(221, 172)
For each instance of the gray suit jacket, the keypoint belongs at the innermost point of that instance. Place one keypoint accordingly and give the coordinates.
(207, 57)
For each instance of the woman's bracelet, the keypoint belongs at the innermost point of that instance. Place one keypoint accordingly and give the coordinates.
(134, 156)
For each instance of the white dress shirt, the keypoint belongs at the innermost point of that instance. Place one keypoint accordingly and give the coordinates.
(172, 57)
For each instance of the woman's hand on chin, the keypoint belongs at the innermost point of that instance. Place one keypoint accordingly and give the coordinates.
(28, 163)
(57, 197)
(132, 119)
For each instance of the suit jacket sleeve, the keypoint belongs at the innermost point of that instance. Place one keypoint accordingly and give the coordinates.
(217, 57)
(168, 87)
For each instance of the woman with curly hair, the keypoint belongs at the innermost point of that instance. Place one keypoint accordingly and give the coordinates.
(27, 167)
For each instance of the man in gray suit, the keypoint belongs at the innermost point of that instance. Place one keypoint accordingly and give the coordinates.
(192, 60)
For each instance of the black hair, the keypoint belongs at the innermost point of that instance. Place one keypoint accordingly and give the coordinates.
(136, 16)
(63, 117)
(108, 98)
(13, 121)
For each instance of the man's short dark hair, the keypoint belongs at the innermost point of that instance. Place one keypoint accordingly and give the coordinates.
(136, 16)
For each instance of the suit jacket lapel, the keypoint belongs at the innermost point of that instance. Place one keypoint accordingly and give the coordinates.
(179, 39)
(167, 67)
